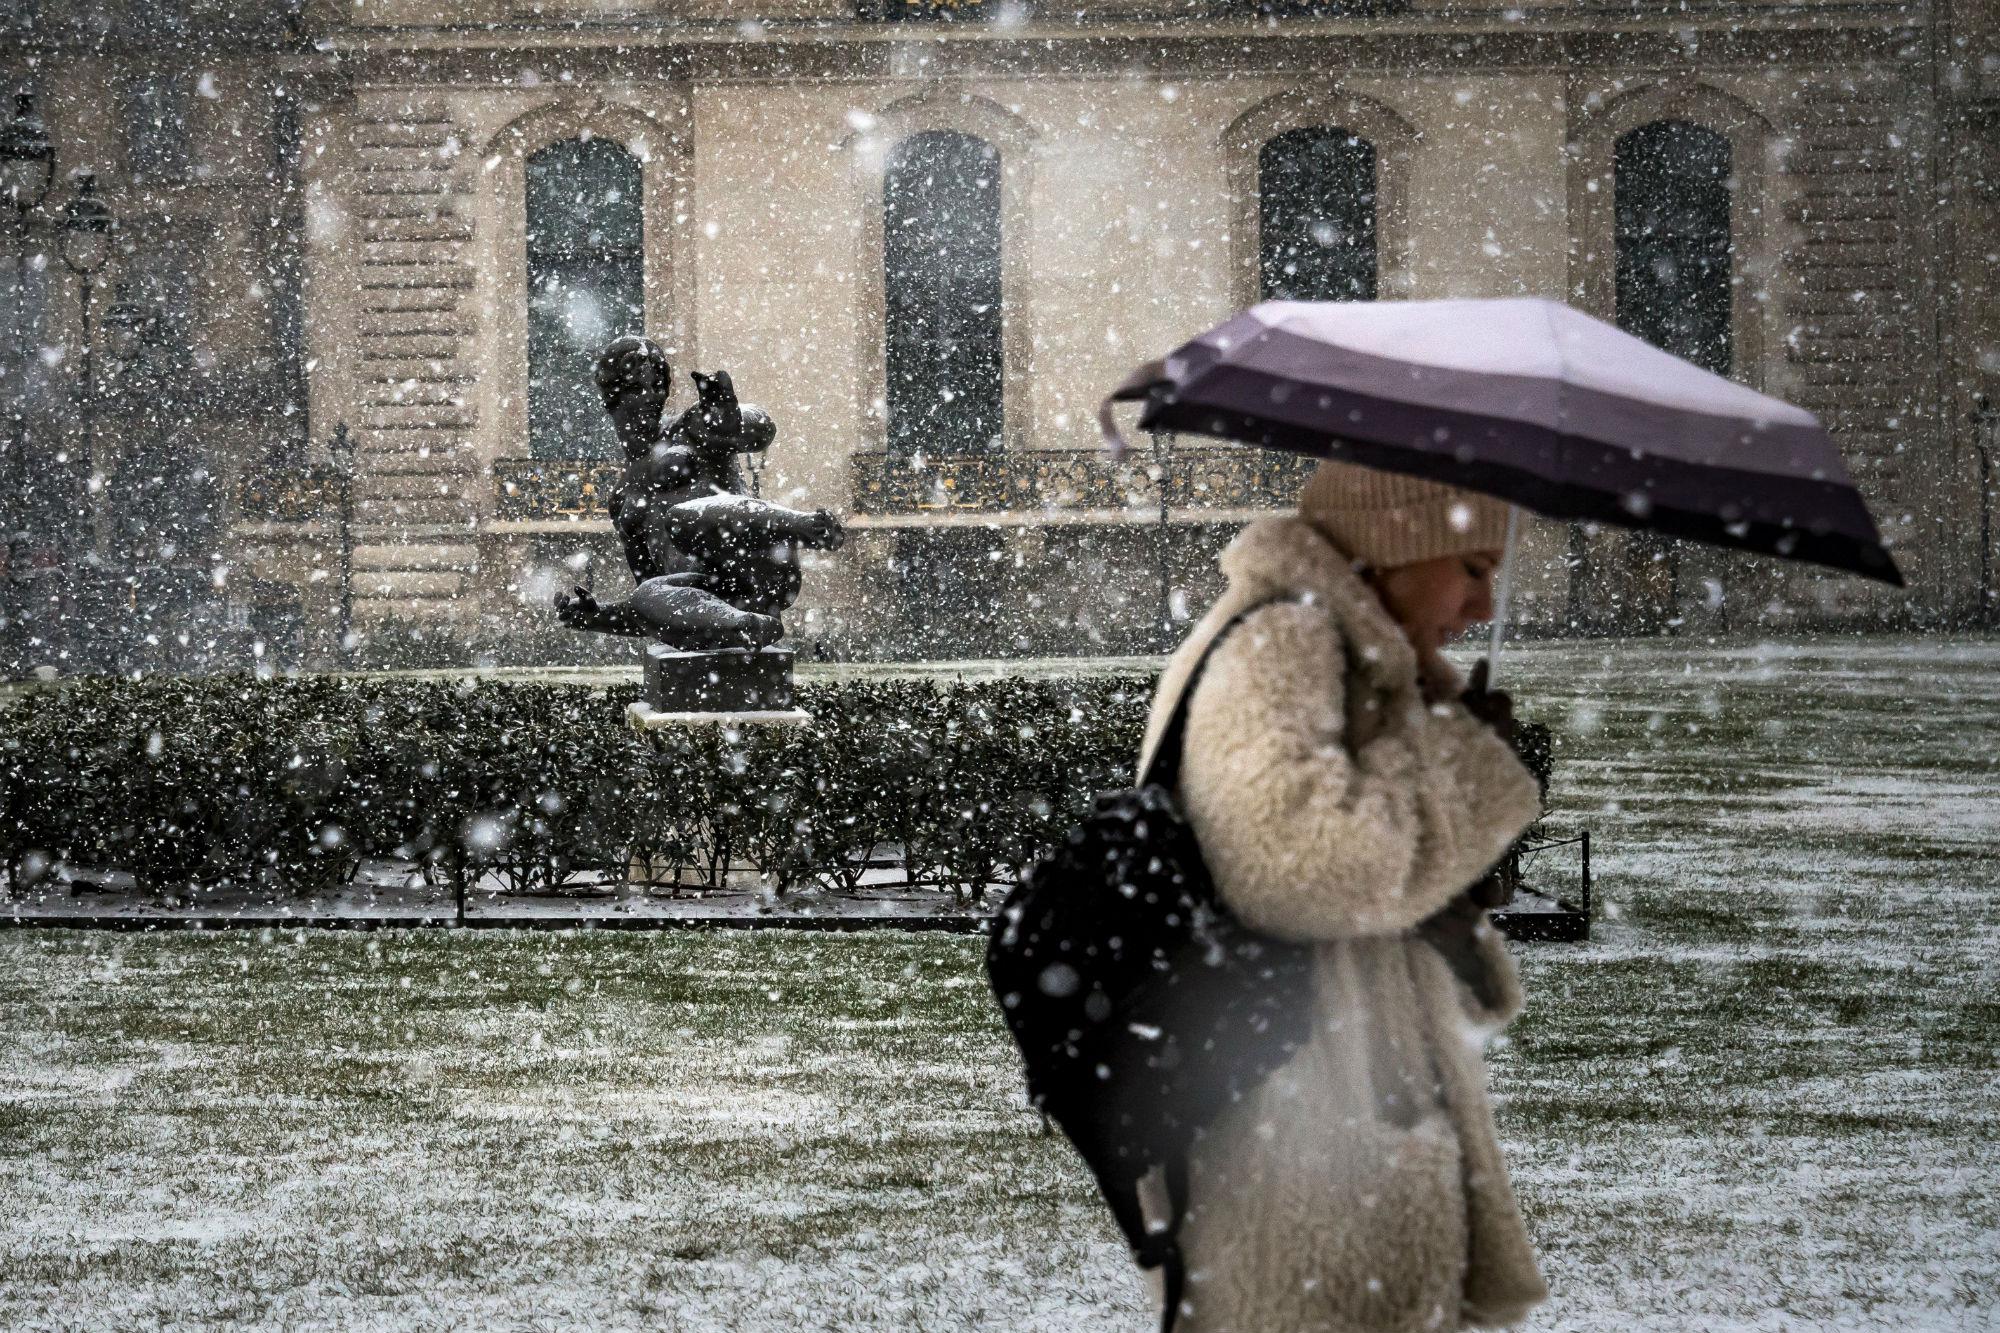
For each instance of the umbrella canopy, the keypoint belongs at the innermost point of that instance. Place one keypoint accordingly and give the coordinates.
(1526, 400)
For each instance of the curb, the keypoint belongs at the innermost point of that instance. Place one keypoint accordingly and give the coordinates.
(1525, 927)
(952, 925)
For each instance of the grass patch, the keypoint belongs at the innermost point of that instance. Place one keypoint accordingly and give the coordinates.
(1762, 1097)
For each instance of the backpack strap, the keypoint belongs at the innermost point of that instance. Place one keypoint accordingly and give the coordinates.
(1158, 1246)
(1173, 1264)
(1164, 769)
(1162, 1249)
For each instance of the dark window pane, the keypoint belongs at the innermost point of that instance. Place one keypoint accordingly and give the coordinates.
(933, 11)
(161, 273)
(1314, 8)
(1673, 206)
(18, 16)
(1316, 216)
(157, 19)
(586, 285)
(941, 284)
(950, 586)
(156, 127)
(287, 294)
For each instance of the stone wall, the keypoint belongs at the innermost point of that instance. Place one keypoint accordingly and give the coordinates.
(1126, 143)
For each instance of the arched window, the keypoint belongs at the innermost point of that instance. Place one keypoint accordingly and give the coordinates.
(586, 285)
(1316, 216)
(941, 289)
(1672, 198)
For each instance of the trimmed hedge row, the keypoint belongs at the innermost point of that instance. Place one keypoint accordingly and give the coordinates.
(289, 782)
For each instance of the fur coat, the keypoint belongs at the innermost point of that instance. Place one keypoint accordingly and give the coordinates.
(1361, 1187)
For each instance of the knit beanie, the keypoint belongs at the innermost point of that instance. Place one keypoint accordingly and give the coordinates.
(1384, 519)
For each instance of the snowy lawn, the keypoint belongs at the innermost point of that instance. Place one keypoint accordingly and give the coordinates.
(1763, 1098)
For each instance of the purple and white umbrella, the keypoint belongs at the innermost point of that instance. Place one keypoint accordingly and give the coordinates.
(1526, 400)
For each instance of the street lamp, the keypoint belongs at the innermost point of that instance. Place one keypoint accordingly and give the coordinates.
(137, 508)
(341, 451)
(1164, 622)
(27, 171)
(1986, 420)
(27, 160)
(87, 229)
(133, 336)
(85, 246)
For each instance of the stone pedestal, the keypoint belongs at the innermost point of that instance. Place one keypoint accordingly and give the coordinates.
(729, 680)
(646, 718)
(734, 688)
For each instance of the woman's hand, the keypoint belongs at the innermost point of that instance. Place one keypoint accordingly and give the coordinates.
(1454, 931)
(1436, 677)
(1493, 707)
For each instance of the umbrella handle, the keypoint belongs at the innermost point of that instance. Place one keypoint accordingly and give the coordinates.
(1107, 427)
(1137, 386)
(1501, 595)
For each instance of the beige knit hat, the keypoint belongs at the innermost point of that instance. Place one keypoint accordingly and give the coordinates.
(1384, 520)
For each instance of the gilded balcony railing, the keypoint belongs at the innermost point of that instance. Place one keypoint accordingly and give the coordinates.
(1048, 480)
(287, 496)
(1054, 480)
(544, 489)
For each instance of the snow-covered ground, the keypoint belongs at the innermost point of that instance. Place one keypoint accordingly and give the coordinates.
(1762, 1098)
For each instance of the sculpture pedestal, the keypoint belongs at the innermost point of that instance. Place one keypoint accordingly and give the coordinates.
(727, 680)
(645, 718)
(669, 733)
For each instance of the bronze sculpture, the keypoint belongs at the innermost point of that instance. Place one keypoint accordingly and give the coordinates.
(713, 568)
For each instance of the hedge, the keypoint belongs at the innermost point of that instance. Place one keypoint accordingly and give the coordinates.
(290, 782)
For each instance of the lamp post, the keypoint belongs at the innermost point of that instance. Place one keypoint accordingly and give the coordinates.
(341, 451)
(135, 508)
(131, 328)
(27, 159)
(1578, 564)
(85, 246)
(27, 172)
(1163, 625)
(1986, 421)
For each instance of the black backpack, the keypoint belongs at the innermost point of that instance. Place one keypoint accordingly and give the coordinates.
(1142, 1007)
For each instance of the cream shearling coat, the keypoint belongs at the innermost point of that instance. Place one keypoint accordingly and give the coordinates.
(1361, 1188)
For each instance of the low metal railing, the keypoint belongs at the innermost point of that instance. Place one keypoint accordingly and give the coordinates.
(548, 489)
(1185, 476)
(287, 496)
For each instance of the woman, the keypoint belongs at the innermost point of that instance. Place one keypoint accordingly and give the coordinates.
(1345, 794)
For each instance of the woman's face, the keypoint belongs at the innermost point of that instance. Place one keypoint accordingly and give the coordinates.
(1435, 601)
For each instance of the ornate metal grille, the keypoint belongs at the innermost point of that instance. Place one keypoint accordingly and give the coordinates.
(533, 488)
(1195, 477)
(921, 11)
(287, 496)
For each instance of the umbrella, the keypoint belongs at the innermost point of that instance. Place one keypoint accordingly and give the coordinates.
(1526, 400)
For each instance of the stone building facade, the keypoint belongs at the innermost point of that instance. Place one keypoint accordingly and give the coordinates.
(351, 216)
